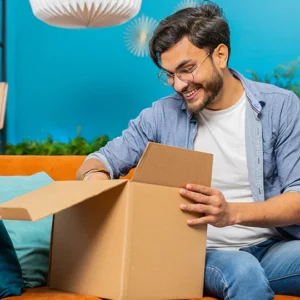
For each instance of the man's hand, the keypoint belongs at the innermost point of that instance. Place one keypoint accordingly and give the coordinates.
(210, 203)
(96, 176)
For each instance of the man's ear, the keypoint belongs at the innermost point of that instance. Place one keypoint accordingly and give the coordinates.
(221, 56)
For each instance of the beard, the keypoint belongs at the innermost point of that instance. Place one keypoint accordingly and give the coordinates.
(211, 90)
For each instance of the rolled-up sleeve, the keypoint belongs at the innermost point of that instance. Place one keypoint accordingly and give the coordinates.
(123, 153)
(287, 148)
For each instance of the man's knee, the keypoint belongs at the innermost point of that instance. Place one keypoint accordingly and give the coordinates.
(247, 267)
(237, 262)
(234, 273)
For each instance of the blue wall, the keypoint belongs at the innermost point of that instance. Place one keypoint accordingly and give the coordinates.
(60, 79)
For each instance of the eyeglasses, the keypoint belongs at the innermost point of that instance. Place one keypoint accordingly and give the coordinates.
(184, 74)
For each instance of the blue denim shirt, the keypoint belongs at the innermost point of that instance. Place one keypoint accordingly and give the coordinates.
(272, 139)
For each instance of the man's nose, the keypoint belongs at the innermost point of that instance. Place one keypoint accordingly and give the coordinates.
(179, 85)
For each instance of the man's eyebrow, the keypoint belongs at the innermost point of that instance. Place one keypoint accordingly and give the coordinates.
(180, 65)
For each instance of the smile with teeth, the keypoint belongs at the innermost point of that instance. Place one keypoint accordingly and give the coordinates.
(189, 94)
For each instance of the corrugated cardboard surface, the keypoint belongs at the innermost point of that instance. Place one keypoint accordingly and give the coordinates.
(125, 240)
(166, 256)
(172, 166)
(53, 198)
(88, 246)
(129, 244)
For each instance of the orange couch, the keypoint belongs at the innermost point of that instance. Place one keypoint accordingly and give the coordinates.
(59, 168)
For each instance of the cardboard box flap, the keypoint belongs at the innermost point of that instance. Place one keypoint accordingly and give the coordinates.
(53, 198)
(174, 167)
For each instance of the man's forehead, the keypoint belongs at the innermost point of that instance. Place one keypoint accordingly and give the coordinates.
(184, 50)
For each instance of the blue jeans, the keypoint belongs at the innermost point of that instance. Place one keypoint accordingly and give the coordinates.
(254, 273)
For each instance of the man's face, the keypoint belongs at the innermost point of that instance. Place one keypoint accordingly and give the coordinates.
(206, 81)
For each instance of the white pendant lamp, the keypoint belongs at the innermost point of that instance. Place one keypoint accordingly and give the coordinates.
(85, 13)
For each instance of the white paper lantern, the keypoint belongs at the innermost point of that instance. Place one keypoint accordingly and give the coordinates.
(85, 13)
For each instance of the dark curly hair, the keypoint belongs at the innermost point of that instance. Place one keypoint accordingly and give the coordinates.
(205, 26)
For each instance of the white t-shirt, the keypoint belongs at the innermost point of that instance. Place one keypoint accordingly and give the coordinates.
(222, 133)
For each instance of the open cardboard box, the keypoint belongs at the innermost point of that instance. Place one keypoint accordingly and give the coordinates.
(125, 240)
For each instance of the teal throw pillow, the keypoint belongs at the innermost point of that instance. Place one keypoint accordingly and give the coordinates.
(31, 240)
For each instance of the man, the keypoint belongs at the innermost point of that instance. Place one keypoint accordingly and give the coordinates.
(253, 130)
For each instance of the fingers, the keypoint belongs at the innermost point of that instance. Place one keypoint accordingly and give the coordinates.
(195, 196)
(209, 214)
(210, 204)
(205, 190)
(199, 208)
(202, 221)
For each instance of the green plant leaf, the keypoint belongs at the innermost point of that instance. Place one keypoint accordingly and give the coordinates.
(286, 76)
(75, 146)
